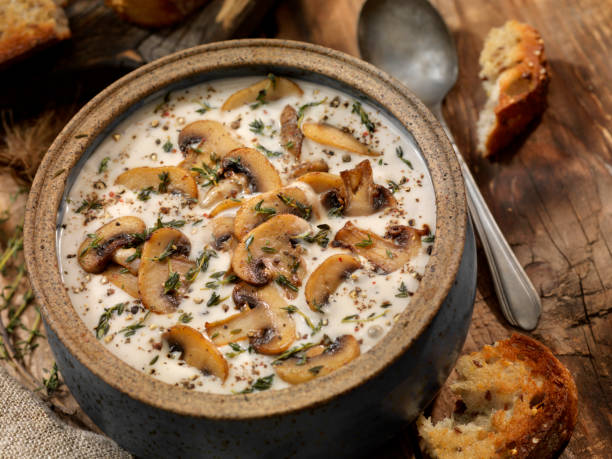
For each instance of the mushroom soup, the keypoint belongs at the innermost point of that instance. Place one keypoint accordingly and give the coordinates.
(247, 234)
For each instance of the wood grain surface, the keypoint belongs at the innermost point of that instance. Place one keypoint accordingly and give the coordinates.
(551, 192)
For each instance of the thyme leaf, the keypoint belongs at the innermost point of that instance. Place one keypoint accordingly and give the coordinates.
(284, 282)
(365, 119)
(104, 321)
(399, 151)
(103, 165)
(257, 126)
(365, 242)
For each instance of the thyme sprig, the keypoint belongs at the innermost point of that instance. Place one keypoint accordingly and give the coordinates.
(104, 321)
(261, 384)
(365, 119)
(131, 330)
(284, 282)
(399, 151)
(305, 211)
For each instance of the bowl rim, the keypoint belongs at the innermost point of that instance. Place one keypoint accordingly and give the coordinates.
(91, 121)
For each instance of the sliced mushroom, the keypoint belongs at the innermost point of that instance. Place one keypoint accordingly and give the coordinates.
(231, 186)
(197, 351)
(291, 136)
(401, 243)
(320, 360)
(327, 277)
(267, 252)
(128, 258)
(318, 165)
(225, 205)
(363, 196)
(255, 211)
(223, 233)
(269, 328)
(162, 179)
(126, 281)
(159, 261)
(337, 138)
(96, 252)
(329, 186)
(260, 172)
(268, 90)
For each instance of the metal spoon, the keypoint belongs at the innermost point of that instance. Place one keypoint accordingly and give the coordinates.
(410, 40)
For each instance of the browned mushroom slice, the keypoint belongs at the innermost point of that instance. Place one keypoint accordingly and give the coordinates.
(197, 351)
(261, 173)
(327, 277)
(320, 360)
(269, 328)
(337, 138)
(255, 211)
(205, 137)
(223, 233)
(291, 136)
(161, 179)
(225, 205)
(329, 186)
(157, 291)
(128, 258)
(126, 281)
(231, 186)
(268, 90)
(363, 196)
(96, 252)
(401, 243)
(267, 253)
(318, 165)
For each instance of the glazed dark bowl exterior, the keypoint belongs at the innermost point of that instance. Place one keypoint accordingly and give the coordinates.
(344, 413)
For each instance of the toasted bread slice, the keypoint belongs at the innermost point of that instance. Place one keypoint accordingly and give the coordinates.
(515, 77)
(516, 400)
(28, 25)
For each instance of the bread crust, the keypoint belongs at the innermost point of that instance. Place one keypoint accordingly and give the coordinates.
(522, 89)
(23, 36)
(537, 424)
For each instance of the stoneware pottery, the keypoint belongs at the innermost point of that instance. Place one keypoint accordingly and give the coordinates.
(346, 413)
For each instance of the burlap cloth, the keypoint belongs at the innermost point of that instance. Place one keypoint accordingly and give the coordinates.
(29, 429)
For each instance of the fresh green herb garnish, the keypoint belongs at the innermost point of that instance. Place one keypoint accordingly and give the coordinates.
(124, 271)
(164, 181)
(52, 383)
(257, 126)
(132, 329)
(355, 318)
(403, 291)
(169, 224)
(305, 211)
(291, 352)
(261, 99)
(135, 255)
(104, 322)
(284, 282)
(154, 360)
(261, 384)
(93, 244)
(267, 249)
(336, 211)
(315, 328)
(269, 153)
(88, 205)
(237, 350)
(186, 317)
(429, 238)
(265, 210)
(167, 146)
(170, 249)
(201, 264)
(316, 370)
(215, 299)
(304, 107)
(321, 237)
(247, 244)
(208, 173)
(399, 151)
(365, 119)
(145, 193)
(103, 165)
(204, 108)
(393, 186)
(172, 283)
(289, 145)
(365, 242)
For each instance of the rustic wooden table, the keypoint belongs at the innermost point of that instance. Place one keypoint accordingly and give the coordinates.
(551, 192)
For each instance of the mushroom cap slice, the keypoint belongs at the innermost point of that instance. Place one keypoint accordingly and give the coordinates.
(291, 136)
(289, 200)
(140, 178)
(225, 205)
(330, 186)
(320, 360)
(127, 258)
(401, 243)
(197, 351)
(229, 187)
(327, 277)
(96, 252)
(223, 233)
(261, 173)
(363, 196)
(272, 88)
(337, 138)
(267, 252)
(208, 137)
(317, 165)
(155, 268)
(269, 328)
(126, 281)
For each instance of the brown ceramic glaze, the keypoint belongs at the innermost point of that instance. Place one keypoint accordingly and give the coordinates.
(236, 58)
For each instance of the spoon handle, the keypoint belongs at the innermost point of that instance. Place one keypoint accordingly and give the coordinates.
(519, 301)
